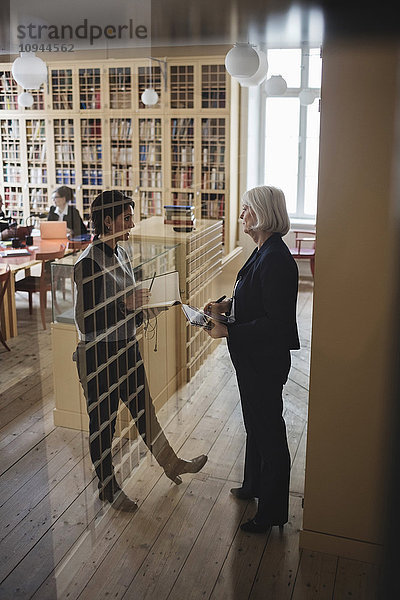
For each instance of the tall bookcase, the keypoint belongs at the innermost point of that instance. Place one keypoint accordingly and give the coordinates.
(89, 129)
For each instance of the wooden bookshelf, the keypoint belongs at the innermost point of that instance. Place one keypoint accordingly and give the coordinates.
(8, 91)
(94, 133)
(64, 152)
(120, 88)
(62, 89)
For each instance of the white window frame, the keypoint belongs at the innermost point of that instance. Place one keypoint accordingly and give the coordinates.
(299, 217)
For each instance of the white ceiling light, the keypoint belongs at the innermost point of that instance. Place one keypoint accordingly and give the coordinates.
(307, 97)
(25, 99)
(259, 75)
(149, 97)
(275, 85)
(242, 61)
(29, 71)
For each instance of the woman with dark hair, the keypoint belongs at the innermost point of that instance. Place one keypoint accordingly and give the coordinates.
(261, 332)
(109, 364)
(64, 211)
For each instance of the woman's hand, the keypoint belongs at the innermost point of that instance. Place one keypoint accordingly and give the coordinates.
(217, 330)
(138, 299)
(217, 308)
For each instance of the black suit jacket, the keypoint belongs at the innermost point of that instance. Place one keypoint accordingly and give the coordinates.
(73, 218)
(265, 303)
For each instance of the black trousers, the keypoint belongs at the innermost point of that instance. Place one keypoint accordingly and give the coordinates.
(267, 458)
(109, 372)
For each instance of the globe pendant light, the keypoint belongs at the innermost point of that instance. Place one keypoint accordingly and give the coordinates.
(259, 75)
(149, 96)
(25, 99)
(242, 61)
(275, 86)
(306, 97)
(29, 71)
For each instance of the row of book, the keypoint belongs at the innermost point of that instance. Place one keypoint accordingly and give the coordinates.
(11, 152)
(181, 216)
(182, 178)
(150, 204)
(63, 128)
(213, 206)
(89, 101)
(214, 180)
(12, 173)
(181, 128)
(150, 178)
(213, 128)
(121, 129)
(37, 151)
(92, 177)
(182, 154)
(10, 128)
(13, 198)
(62, 101)
(91, 128)
(65, 176)
(149, 129)
(37, 175)
(38, 201)
(121, 156)
(35, 129)
(65, 152)
(150, 153)
(121, 177)
(213, 155)
(120, 100)
(91, 154)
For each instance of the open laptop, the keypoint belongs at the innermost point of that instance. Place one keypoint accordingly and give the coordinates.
(50, 230)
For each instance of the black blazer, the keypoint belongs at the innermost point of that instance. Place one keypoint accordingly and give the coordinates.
(73, 218)
(265, 302)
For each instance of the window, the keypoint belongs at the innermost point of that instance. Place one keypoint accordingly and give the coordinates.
(290, 144)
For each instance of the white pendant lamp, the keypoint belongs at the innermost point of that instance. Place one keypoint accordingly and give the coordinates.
(25, 99)
(149, 96)
(275, 85)
(242, 61)
(259, 75)
(306, 97)
(29, 71)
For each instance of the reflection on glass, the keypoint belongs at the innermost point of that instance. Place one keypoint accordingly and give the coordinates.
(315, 68)
(281, 147)
(286, 63)
(312, 150)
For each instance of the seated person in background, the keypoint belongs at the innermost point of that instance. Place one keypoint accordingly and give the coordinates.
(63, 211)
(10, 230)
(19, 232)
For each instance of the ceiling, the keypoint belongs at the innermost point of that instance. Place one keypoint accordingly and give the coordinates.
(273, 23)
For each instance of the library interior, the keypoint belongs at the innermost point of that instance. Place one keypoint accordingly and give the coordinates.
(179, 110)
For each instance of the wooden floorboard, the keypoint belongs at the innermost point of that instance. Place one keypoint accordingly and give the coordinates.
(59, 542)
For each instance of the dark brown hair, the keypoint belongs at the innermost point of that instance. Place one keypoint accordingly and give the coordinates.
(64, 192)
(110, 203)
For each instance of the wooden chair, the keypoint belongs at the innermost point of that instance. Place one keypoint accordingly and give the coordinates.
(76, 246)
(304, 246)
(42, 284)
(5, 282)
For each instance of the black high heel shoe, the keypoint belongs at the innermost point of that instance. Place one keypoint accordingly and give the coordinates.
(254, 526)
(113, 494)
(179, 467)
(241, 494)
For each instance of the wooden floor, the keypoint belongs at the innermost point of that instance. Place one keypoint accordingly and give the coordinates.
(58, 541)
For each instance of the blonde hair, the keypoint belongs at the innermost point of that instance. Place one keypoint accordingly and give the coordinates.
(269, 206)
